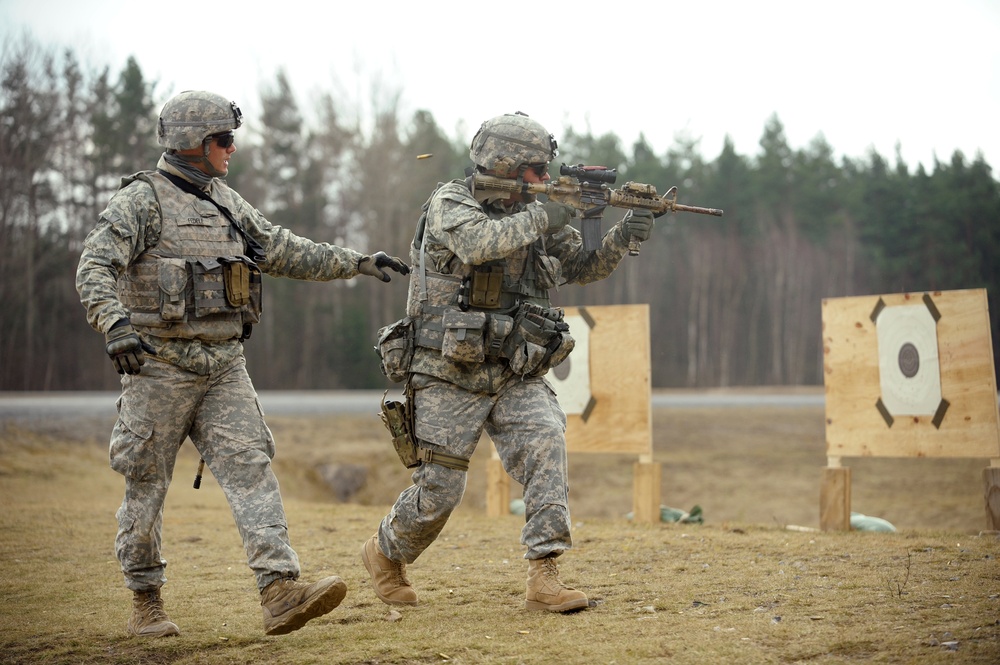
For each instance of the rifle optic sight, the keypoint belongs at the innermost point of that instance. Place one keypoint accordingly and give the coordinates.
(589, 173)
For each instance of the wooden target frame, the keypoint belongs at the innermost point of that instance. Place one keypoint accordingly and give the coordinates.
(908, 375)
(604, 388)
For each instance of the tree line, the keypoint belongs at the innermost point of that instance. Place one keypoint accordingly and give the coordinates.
(734, 301)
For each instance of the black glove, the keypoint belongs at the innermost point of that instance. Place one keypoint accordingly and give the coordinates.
(126, 348)
(372, 266)
(558, 214)
(638, 225)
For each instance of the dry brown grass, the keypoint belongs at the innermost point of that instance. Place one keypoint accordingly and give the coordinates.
(739, 588)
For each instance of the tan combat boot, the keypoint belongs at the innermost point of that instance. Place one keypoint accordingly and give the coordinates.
(547, 592)
(388, 577)
(148, 618)
(288, 604)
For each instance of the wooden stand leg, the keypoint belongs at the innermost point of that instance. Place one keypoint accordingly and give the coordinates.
(646, 492)
(991, 488)
(497, 489)
(835, 499)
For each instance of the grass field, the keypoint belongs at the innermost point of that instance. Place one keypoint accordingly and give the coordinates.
(740, 588)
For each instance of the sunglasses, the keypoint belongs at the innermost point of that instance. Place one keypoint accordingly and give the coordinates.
(223, 140)
(540, 169)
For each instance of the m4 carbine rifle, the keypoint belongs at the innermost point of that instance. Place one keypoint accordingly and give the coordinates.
(586, 188)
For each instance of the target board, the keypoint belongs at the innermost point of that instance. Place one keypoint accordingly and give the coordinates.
(604, 384)
(910, 375)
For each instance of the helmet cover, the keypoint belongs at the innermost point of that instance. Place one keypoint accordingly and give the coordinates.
(191, 116)
(506, 143)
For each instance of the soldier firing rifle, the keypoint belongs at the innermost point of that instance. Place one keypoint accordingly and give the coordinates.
(586, 188)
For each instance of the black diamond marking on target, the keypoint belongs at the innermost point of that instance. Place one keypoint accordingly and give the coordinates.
(909, 360)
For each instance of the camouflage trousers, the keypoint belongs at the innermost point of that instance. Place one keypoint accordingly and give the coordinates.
(528, 428)
(158, 409)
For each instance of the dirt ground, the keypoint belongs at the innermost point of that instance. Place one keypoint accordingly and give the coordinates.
(739, 588)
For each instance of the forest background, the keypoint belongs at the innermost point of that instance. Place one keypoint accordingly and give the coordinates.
(734, 301)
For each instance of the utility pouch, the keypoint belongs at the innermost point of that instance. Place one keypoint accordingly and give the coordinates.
(548, 271)
(173, 281)
(395, 349)
(561, 346)
(527, 358)
(396, 419)
(541, 340)
(463, 336)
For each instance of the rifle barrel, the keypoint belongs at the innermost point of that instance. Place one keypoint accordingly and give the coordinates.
(698, 209)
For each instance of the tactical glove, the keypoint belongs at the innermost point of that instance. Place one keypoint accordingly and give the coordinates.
(125, 348)
(559, 216)
(372, 266)
(637, 224)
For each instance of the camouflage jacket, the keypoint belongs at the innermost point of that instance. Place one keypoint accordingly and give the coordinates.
(130, 225)
(461, 232)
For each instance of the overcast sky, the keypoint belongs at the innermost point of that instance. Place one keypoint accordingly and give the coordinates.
(863, 74)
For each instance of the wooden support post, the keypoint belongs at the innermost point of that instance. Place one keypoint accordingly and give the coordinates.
(497, 488)
(835, 499)
(646, 492)
(991, 488)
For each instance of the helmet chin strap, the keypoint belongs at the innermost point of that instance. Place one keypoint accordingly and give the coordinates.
(203, 162)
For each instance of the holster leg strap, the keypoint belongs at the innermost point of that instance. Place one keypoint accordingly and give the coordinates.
(428, 456)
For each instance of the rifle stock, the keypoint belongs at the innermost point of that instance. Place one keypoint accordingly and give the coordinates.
(590, 194)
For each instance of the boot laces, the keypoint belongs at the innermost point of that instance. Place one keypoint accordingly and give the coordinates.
(152, 606)
(399, 574)
(551, 571)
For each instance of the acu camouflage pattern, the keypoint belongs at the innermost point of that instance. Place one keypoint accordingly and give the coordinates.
(130, 226)
(506, 142)
(527, 427)
(221, 414)
(193, 388)
(455, 402)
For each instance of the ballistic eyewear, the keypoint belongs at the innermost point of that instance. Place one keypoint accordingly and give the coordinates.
(223, 140)
(540, 169)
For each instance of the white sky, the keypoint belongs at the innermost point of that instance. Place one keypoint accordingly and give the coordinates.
(862, 73)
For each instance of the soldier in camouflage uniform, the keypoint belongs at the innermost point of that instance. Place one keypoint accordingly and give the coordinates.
(483, 334)
(173, 281)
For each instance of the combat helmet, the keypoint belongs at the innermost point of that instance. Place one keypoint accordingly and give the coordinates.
(189, 117)
(508, 142)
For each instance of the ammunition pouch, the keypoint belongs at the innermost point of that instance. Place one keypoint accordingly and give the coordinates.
(485, 287)
(242, 280)
(224, 285)
(208, 298)
(398, 419)
(534, 339)
(236, 279)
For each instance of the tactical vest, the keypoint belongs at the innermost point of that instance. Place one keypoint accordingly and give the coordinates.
(498, 311)
(196, 282)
